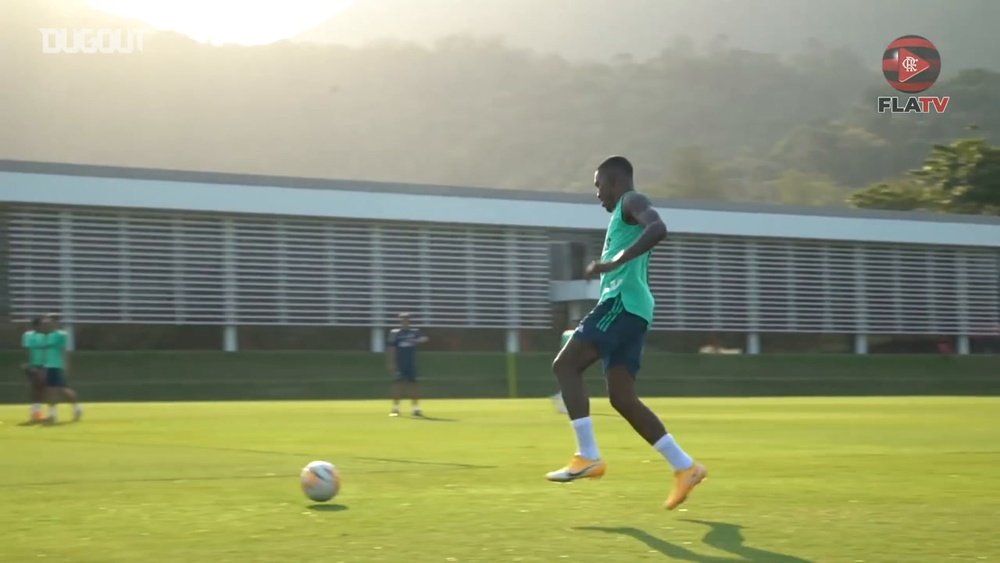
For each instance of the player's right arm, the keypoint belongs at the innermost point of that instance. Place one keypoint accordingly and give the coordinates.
(638, 208)
(641, 211)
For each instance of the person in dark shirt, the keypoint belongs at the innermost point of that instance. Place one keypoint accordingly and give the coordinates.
(402, 362)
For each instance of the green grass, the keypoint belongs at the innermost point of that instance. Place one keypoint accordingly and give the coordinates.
(215, 376)
(824, 480)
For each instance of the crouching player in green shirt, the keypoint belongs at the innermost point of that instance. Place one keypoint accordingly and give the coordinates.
(33, 341)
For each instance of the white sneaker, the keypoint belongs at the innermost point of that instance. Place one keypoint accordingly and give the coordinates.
(578, 468)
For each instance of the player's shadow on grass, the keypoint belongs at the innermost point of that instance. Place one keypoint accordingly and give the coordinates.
(721, 536)
(321, 507)
(47, 424)
(44, 423)
(434, 418)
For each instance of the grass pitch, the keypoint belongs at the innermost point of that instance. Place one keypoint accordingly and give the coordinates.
(792, 480)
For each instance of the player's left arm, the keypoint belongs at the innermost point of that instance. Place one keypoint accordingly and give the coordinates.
(421, 337)
(638, 208)
(641, 210)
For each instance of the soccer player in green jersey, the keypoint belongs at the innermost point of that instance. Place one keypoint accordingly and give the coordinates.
(56, 367)
(615, 332)
(33, 341)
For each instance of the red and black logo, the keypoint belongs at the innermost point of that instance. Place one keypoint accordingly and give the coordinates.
(911, 64)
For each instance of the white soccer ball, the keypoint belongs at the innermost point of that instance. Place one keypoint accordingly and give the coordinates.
(320, 481)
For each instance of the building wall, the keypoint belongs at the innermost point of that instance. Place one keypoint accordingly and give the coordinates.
(125, 266)
(784, 286)
(200, 192)
(105, 265)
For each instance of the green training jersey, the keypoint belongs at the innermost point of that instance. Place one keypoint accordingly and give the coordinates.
(55, 345)
(631, 280)
(34, 341)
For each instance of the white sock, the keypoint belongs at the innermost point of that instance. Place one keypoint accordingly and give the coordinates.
(585, 440)
(668, 448)
(53, 413)
(36, 407)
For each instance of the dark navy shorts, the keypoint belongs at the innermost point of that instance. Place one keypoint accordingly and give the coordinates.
(54, 377)
(618, 335)
(406, 373)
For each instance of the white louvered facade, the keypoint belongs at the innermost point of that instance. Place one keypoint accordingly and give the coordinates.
(145, 247)
(760, 285)
(100, 266)
(731, 284)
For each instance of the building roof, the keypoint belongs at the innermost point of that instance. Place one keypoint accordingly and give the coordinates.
(113, 186)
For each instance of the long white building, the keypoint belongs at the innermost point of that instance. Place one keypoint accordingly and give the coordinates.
(121, 245)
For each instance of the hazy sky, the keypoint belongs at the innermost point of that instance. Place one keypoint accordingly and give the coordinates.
(471, 112)
(246, 22)
(592, 29)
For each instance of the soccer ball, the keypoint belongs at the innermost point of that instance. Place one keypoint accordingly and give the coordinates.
(320, 481)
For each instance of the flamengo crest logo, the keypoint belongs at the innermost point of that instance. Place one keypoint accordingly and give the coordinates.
(911, 64)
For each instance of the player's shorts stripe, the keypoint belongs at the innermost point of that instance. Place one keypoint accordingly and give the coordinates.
(611, 315)
(603, 323)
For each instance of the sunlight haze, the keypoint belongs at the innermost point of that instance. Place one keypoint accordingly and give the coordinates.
(246, 22)
(729, 100)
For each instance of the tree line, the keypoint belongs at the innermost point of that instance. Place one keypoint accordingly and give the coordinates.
(717, 123)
